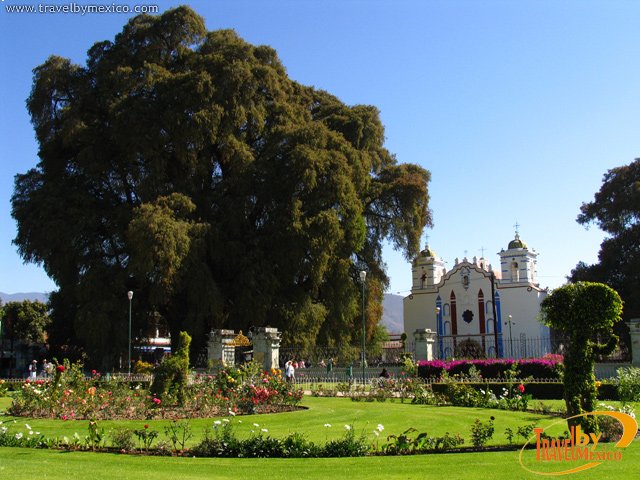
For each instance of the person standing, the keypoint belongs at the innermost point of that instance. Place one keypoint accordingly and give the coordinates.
(289, 371)
(33, 370)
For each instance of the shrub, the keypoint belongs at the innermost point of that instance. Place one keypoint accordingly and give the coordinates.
(348, 446)
(122, 439)
(171, 375)
(481, 432)
(629, 384)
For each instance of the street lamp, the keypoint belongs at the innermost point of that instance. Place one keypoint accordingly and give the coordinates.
(363, 278)
(130, 297)
(510, 322)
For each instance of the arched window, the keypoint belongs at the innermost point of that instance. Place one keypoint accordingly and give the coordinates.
(515, 272)
(490, 325)
(447, 328)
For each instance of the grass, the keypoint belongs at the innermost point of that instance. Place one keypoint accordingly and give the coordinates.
(18, 464)
(396, 417)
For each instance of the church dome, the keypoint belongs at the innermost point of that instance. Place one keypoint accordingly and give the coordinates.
(428, 252)
(517, 243)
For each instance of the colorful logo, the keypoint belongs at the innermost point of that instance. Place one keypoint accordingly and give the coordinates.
(579, 448)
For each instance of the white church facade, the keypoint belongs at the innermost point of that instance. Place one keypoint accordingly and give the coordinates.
(476, 311)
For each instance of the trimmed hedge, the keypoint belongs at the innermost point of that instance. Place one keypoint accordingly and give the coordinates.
(537, 390)
(548, 368)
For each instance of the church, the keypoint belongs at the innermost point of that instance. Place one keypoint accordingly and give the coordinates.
(477, 312)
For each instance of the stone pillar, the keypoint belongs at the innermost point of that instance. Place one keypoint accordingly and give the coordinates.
(634, 331)
(266, 347)
(424, 338)
(220, 352)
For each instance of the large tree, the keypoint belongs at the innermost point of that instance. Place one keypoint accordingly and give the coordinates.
(616, 210)
(186, 166)
(26, 321)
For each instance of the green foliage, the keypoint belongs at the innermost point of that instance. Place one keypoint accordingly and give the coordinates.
(188, 165)
(481, 432)
(404, 444)
(179, 433)
(170, 377)
(145, 437)
(629, 384)
(583, 311)
(96, 436)
(122, 439)
(27, 321)
(616, 210)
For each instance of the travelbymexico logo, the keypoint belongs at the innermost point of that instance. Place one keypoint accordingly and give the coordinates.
(579, 451)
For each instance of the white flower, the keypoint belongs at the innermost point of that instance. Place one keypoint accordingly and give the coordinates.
(232, 413)
(347, 427)
(18, 436)
(30, 432)
(26, 425)
(225, 420)
(264, 430)
(328, 425)
(380, 427)
(37, 433)
(376, 433)
(217, 422)
(3, 430)
(256, 425)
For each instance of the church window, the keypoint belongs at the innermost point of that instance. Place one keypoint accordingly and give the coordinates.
(465, 281)
(447, 328)
(467, 316)
(515, 272)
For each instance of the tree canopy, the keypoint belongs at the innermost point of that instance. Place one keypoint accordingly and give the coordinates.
(616, 210)
(185, 165)
(26, 321)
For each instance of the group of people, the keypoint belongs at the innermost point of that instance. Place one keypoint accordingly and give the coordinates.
(45, 371)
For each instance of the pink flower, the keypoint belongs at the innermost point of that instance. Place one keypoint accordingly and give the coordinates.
(157, 401)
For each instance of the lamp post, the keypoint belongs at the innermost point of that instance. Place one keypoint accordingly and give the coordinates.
(510, 322)
(130, 297)
(363, 278)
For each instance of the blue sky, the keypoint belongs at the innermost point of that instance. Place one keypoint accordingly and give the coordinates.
(516, 108)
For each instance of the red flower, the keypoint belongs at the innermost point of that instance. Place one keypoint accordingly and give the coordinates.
(60, 368)
(521, 388)
(94, 373)
(146, 426)
(157, 401)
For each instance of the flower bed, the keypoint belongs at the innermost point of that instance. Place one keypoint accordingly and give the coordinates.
(69, 395)
(548, 367)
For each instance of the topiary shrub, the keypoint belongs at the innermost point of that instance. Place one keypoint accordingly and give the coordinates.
(170, 377)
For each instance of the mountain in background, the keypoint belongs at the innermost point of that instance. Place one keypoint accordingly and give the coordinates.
(19, 297)
(392, 313)
(391, 307)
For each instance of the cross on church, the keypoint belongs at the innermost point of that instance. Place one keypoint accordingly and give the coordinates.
(482, 249)
(465, 254)
(426, 237)
(517, 225)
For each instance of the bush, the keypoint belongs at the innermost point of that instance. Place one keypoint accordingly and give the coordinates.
(481, 432)
(122, 439)
(629, 384)
(348, 446)
(545, 367)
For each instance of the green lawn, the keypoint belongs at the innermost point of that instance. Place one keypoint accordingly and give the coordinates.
(396, 417)
(18, 464)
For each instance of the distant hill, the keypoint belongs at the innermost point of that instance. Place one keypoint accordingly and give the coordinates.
(392, 315)
(19, 297)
